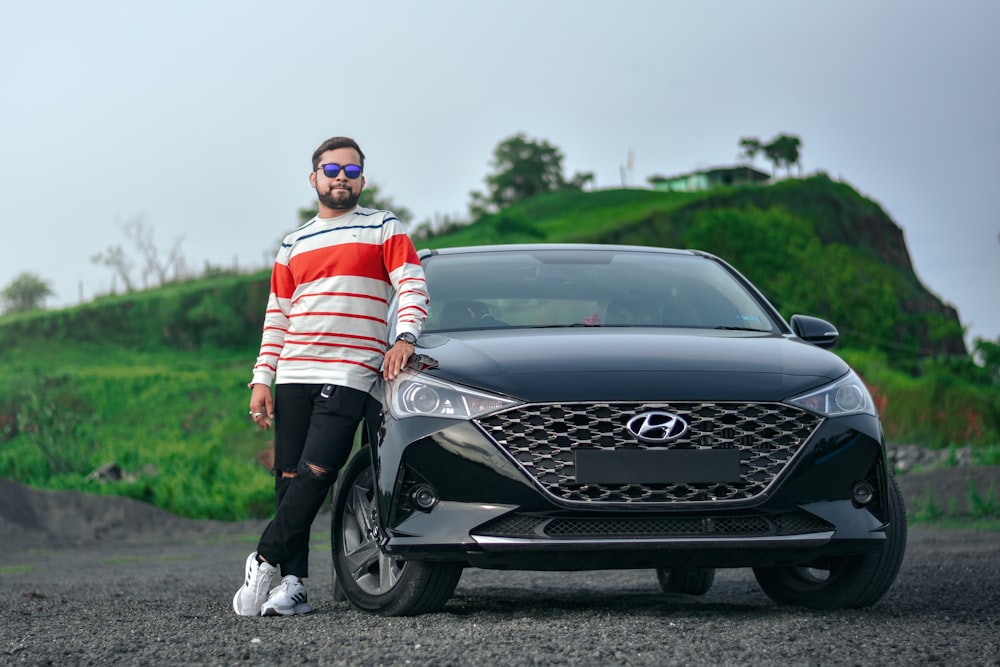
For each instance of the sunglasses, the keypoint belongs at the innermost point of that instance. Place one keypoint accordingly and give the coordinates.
(331, 170)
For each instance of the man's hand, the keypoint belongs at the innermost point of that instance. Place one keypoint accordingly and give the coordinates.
(396, 358)
(261, 406)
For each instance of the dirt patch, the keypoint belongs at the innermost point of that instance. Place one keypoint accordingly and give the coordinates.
(35, 517)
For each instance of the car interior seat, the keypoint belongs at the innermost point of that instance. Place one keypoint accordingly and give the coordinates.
(630, 311)
(658, 311)
(462, 314)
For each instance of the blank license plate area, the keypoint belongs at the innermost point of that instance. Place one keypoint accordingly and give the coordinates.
(643, 466)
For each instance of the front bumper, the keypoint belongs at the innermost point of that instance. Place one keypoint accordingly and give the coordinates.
(493, 510)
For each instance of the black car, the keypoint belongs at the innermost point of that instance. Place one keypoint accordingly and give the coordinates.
(577, 407)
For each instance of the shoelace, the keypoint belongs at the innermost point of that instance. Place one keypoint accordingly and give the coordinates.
(286, 585)
(259, 579)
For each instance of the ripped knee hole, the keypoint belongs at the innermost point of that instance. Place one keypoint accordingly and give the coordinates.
(315, 471)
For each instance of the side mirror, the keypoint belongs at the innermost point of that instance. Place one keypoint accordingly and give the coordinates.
(816, 331)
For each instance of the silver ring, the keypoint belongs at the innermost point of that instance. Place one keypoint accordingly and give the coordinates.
(255, 414)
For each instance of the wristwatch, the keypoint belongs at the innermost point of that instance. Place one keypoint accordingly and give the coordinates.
(407, 337)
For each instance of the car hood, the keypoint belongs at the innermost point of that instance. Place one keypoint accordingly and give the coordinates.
(588, 364)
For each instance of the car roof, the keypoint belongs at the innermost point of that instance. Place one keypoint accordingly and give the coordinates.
(530, 247)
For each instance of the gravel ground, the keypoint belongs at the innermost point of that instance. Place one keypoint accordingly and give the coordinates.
(97, 580)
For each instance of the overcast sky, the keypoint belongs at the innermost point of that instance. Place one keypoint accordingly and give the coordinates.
(200, 117)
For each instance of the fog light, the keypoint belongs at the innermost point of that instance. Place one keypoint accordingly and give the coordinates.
(424, 496)
(863, 493)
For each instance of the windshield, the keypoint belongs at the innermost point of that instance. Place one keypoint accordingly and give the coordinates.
(593, 287)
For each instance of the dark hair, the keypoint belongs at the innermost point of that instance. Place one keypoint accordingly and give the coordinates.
(334, 143)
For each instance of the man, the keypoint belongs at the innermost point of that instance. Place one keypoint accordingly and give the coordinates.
(323, 343)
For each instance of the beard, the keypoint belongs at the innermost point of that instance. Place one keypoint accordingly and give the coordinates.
(338, 199)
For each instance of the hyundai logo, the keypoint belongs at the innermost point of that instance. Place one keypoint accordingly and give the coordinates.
(657, 426)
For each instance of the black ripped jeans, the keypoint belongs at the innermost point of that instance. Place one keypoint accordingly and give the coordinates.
(313, 437)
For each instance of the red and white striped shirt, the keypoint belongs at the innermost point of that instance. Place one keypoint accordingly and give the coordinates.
(326, 319)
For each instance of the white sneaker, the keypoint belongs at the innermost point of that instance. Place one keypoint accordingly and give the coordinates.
(286, 599)
(253, 593)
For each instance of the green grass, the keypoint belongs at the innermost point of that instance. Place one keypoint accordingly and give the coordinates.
(125, 560)
(175, 422)
(989, 524)
(572, 217)
(978, 509)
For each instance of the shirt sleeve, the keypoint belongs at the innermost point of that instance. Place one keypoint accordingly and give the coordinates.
(279, 302)
(407, 277)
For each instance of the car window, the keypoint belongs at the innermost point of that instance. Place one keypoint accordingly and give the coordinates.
(554, 288)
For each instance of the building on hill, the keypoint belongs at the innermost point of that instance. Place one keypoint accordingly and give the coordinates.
(707, 179)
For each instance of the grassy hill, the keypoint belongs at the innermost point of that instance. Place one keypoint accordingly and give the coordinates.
(812, 245)
(155, 382)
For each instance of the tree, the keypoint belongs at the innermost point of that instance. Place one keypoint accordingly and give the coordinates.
(523, 168)
(26, 292)
(987, 354)
(782, 151)
(153, 264)
(115, 259)
(750, 147)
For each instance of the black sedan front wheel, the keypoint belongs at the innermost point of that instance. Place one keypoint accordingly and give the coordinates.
(848, 582)
(367, 578)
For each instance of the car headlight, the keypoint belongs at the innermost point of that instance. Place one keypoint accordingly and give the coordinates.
(413, 394)
(846, 396)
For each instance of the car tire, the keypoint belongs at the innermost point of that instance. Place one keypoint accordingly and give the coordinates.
(338, 590)
(369, 579)
(686, 580)
(848, 582)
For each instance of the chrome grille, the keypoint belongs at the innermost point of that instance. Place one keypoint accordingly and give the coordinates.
(543, 439)
(526, 526)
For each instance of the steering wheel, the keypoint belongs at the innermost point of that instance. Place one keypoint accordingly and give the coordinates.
(488, 320)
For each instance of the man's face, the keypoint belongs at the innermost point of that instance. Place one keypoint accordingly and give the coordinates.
(339, 192)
